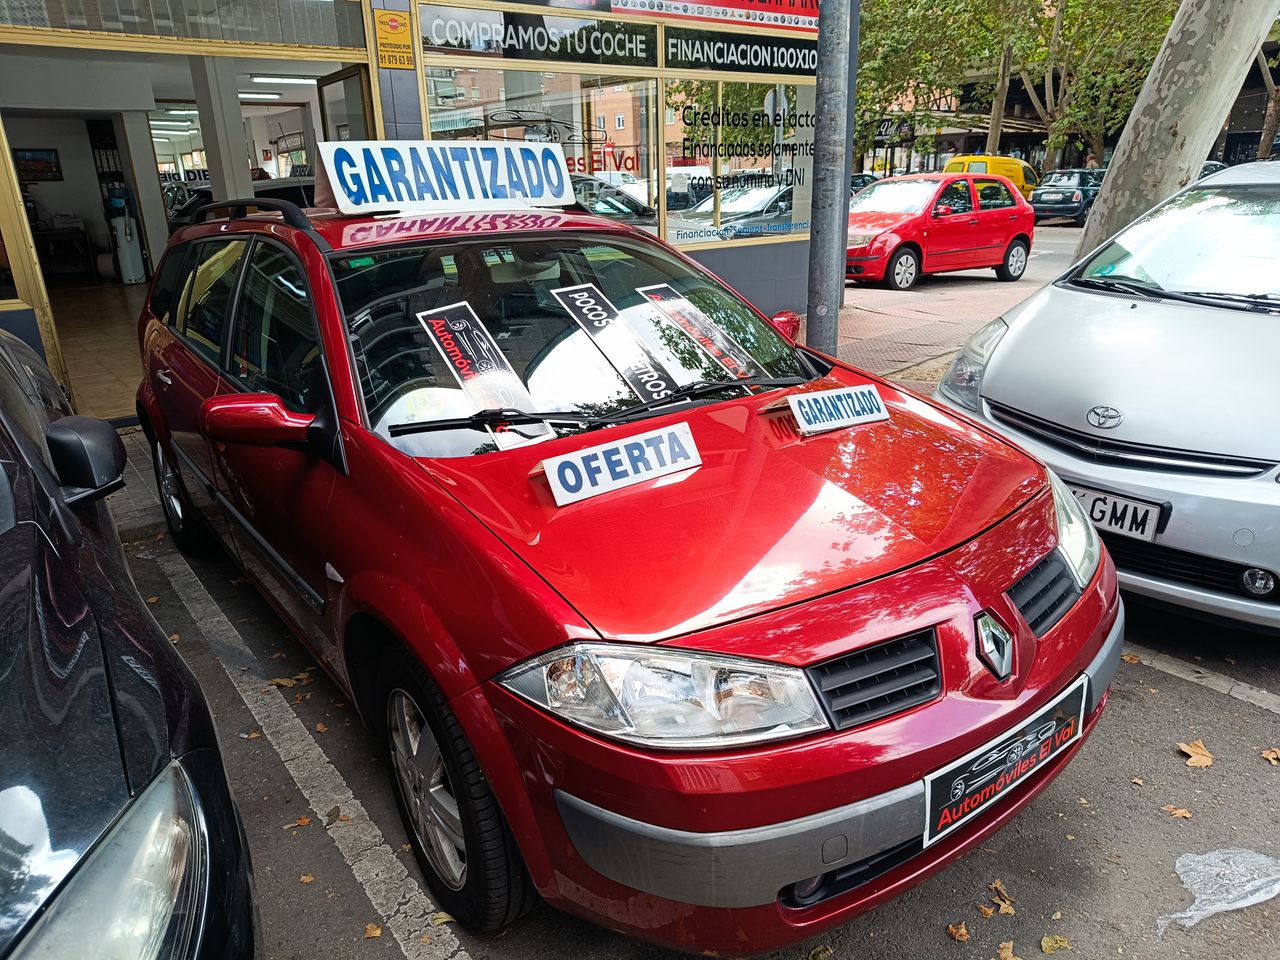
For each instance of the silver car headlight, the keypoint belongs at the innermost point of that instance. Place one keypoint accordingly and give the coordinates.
(139, 895)
(962, 382)
(669, 699)
(1077, 539)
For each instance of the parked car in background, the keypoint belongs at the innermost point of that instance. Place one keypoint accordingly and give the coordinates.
(297, 190)
(1211, 166)
(902, 227)
(1018, 172)
(859, 180)
(746, 209)
(118, 834)
(606, 200)
(1067, 193)
(450, 448)
(1146, 377)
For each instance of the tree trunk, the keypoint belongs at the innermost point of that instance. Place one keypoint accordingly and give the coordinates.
(1051, 157)
(999, 100)
(1270, 123)
(1192, 83)
(1097, 144)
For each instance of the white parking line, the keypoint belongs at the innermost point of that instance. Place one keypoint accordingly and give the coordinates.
(404, 907)
(1245, 692)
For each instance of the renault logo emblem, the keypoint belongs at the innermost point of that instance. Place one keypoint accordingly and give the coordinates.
(1103, 417)
(995, 646)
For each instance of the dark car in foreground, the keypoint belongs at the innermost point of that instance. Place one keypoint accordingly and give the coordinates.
(118, 834)
(1067, 193)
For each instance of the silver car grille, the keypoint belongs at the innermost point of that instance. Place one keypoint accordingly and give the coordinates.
(1121, 453)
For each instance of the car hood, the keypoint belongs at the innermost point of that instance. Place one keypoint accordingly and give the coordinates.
(769, 519)
(1182, 375)
(62, 780)
(875, 222)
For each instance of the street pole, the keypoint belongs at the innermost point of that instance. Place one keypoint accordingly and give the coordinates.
(832, 161)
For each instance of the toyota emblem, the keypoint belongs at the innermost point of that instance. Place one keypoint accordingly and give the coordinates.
(1103, 417)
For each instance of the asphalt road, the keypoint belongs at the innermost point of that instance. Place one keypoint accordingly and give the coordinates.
(1092, 859)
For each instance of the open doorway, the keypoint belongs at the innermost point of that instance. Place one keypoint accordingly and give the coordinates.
(105, 177)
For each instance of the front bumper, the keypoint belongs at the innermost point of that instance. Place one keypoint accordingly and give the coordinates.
(1226, 519)
(747, 868)
(861, 265)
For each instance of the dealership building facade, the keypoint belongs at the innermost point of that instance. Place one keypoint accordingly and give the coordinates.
(693, 121)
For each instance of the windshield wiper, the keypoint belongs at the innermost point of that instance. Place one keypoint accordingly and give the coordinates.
(1123, 284)
(1261, 301)
(703, 388)
(492, 417)
(1231, 301)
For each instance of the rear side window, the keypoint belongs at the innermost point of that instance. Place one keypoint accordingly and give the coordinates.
(992, 195)
(168, 283)
(276, 347)
(978, 166)
(205, 304)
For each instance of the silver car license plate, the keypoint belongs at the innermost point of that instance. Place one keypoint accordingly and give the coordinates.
(1132, 518)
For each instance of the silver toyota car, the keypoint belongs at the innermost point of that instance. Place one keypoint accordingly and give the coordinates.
(1148, 378)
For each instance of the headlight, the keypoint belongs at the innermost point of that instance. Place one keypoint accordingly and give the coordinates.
(671, 699)
(962, 382)
(1077, 539)
(861, 239)
(139, 894)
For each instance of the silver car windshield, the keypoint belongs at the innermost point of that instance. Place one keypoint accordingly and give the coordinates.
(1215, 240)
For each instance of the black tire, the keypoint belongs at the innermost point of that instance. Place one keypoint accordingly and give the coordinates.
(186, 527)
(495, 889)
(1083, 215)
(903, 269)
(1014, 264)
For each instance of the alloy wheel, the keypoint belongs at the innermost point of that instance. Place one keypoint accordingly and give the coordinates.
(170, 487)
(1017, 260)
(904, 271)
(425, 788)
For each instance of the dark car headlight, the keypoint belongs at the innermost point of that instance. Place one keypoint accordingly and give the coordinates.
(140, 893)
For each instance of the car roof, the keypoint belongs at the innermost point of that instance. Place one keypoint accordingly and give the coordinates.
(1243, 175)
(347, 232)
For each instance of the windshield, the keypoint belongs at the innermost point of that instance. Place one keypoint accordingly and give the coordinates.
(1210, 240)
(739, 200)
(576, 322)
(894, 196)
(1061, 178)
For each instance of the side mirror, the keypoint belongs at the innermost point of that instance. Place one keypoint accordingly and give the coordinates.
(88, 457)
(254, 419)
(787, 323)
(942, 210)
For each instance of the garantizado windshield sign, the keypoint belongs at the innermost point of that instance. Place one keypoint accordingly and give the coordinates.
(592, 471)
(420, 176)
(821, 410)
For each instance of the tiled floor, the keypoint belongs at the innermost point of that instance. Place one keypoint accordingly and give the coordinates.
(98, 330)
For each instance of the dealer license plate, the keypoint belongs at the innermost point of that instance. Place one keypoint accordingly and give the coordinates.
(1133, 518)
(961, 791)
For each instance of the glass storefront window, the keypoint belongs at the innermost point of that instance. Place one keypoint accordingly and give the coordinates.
(7, 289)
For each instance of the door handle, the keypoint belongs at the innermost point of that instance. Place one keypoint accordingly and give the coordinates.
(1013, 216)
(163, 377)
(974, 220)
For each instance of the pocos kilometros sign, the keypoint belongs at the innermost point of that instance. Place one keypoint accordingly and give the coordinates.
(420, 176)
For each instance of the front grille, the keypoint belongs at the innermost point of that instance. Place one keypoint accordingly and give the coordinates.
(1121, 453)
(878, 681)
(1046, 592)
(1166, 563)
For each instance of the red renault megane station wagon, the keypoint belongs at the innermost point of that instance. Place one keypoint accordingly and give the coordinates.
(663, 618)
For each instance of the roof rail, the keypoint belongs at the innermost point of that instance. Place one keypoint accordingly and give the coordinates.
(238, 209)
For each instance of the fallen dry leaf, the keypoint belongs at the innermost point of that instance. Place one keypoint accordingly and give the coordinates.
(372, 931)
(1178, 813)
(175, 637)
(343, 818)
(1005, 951)
(277, 656)
(1197, 754)
(1071, 836)
(306, 878)
(425, 938)
(440, 918)
(300, 696)
(821, 952)
(1138, 780)
(322, 728)
(1057, 915)
(332, 815)
(300, 822)
(252, 735)
(1054, 942)
(985, 910)
(1130, 658)
(281, 681)
(957, 931)
(153, 599)
(1001, 897)
(1272, 756)
(406, 847)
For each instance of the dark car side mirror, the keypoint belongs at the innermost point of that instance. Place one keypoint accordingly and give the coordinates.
(88, 457)
(787, 323)
(254, 419)
(942, 210)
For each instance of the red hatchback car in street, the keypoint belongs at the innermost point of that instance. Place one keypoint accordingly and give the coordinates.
(676, 624)
(902, 227)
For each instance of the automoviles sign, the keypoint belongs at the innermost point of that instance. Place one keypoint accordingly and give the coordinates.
(419, 176)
